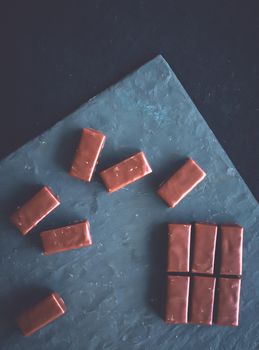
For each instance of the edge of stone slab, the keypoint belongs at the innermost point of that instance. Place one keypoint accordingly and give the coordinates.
(159, 59)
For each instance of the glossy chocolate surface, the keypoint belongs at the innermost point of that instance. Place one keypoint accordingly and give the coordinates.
(231, 250)
(202, 299)
(66, 238)
(177, 299)
(205, 237)
(126, 172)
(228, 301)
(179, 238)
(181, 183)
(34, 210)
(86, 157)
(41, 314)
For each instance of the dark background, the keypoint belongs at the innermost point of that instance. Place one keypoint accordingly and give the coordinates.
(55, 55)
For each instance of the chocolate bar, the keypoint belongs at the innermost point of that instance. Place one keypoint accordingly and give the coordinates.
(202, 299)
(34, 210)
(41, 314)
(231, 250)
(66, 238)
(205, 237)
(86, 157)
(181, 183)
(177, 299)
(179, 237)
(228, 292)
(126, 172)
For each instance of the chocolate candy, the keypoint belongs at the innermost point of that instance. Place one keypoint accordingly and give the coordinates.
(34, 210)
(202, 299)
(181, 183)
(177, 299)
(202, 288)
(228, 301)
(205, 237)
(179, 238)
(66, 238)
(231, 250)
(85, 160)
(41, 314)
(126, 172)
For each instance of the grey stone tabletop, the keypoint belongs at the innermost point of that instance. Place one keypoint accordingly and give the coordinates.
(114, 290)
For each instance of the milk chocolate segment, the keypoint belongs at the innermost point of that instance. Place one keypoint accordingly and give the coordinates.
(181, 183)
(228, 301)
(202, 299)
(41, 314)
(179, 237)
(231, 250)
(34, 210)
(66, 238)
(85, 160)
(126, 172)
(177, 299)
(205, 237)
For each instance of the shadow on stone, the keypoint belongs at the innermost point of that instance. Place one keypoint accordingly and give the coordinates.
(156, 290)
(66, 148)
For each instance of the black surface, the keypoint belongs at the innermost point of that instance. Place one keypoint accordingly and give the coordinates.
(57, 54)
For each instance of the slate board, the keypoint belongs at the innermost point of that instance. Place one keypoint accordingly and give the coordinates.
(114, 290)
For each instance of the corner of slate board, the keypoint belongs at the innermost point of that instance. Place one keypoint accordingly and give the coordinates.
(114, 290)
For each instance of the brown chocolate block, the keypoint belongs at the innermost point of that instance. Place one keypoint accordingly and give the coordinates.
(86, 157)
(126, 172)
(34, 210)
(205, 237)
(228, 292)
(202, 299)
(181, 183)
(231, 250)
(41, 314)
(177, 299)
(179, 238)
(66, 238)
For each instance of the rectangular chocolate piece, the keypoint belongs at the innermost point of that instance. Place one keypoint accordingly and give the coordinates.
(34, 210)
(202, 299)
(86, 157)
(179, 238)
(126, 172)
(66, 238)
(41, 314)
(228, 293)
(181, 183)
(205, 237)
(231, 250)
(177, 299)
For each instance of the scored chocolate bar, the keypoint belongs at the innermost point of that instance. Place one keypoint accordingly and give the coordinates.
(228, 292)
(231, 250)
(177, 299)
(86, 157)
(126, 172)
(181, 183)
(202, 299)
(34, 210)
(66, 238)
(179, 238)
(205, 236)
(41, 314)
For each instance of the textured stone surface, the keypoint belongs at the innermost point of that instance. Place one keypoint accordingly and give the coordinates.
(114, 290)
